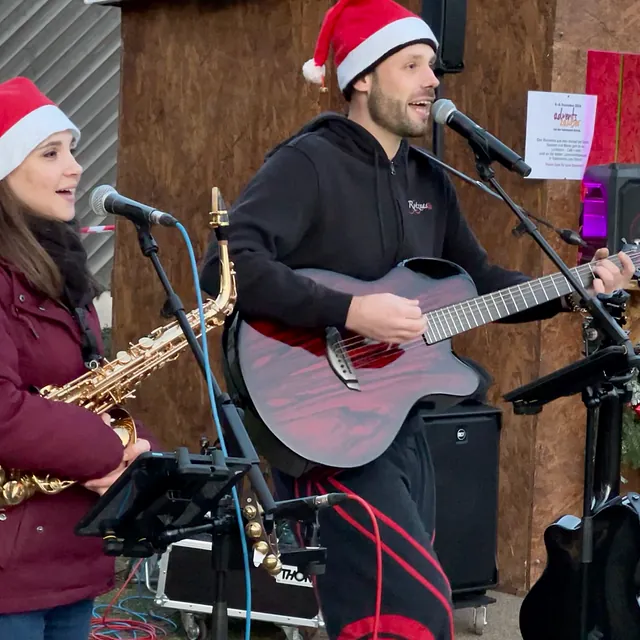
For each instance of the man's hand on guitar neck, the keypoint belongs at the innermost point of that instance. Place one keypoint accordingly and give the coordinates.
(608, 276)
(386, 317)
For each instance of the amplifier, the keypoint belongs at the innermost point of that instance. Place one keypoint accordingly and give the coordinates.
(464, 443)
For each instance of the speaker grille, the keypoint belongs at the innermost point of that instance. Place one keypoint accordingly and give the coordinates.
(464, 445)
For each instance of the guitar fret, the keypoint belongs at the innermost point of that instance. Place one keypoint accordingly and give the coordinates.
(487, 306)
(468, 313)
(504, 302)
(455, 308)
(474, 311)
(435, 325)
(444, 315)
(441, 324)
(483, 321)
(456, 328)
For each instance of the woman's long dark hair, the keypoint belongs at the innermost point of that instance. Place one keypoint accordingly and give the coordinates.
(47, 252)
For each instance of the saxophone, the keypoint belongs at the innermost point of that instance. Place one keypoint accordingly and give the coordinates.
(105, 388)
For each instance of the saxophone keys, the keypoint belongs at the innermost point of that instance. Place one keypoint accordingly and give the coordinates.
(14, 492)
(123, 357)
(145, 343)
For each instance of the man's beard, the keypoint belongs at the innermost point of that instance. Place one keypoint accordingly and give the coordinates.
(392, 115)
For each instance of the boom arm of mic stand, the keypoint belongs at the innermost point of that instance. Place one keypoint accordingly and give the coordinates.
(491, 192)
(149, 248)
(614, 331)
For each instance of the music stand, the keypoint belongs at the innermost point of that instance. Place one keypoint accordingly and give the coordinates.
(162, 498)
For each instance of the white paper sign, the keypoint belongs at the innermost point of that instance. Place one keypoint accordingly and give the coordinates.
(559, 134)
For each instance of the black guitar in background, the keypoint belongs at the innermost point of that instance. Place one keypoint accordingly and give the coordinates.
(552, 609)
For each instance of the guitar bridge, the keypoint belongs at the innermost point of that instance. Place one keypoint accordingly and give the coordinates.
(339, 359)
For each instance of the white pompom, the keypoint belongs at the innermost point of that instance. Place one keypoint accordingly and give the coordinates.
(312, 72)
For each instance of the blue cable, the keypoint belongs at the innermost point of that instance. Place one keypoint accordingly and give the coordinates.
(214, 408)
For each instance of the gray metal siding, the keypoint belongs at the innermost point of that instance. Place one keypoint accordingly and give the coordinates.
(72, 52)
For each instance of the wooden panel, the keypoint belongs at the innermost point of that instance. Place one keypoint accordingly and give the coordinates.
(628, 147)
(603, 80)
(580, 26)
(504, 59)
(207, 89)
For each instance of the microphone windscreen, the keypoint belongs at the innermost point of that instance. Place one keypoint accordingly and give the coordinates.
(442, 110)
(97, 199)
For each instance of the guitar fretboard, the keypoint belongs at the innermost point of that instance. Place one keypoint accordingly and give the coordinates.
(447, 322)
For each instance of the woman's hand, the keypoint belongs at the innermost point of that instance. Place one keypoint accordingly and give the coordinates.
(131, 452)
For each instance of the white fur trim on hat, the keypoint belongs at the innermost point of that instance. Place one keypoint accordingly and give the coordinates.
(26, 134)
(393, 35)
(312, 72)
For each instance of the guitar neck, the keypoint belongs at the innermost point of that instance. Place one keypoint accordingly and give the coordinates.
(447, 322)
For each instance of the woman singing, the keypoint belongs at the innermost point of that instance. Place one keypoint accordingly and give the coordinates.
(49, 334)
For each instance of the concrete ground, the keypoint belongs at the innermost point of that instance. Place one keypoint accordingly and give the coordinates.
(502, 619)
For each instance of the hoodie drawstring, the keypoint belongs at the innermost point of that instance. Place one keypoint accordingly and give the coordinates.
(380, 222)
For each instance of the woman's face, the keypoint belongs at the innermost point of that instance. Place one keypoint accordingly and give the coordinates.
(47, 179)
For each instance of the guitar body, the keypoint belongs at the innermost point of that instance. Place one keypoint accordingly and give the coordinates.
(323, 397)
(551, 609)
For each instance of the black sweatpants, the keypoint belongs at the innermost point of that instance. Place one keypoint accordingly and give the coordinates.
(416, 596)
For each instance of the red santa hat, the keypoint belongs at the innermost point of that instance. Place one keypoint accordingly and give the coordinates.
(27, 118)
(361, 32)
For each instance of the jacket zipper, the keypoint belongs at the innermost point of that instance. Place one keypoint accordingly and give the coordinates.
(392, 167)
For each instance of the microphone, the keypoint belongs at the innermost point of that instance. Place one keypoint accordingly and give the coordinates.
(105, 199)
(445, 112)
(305, 508)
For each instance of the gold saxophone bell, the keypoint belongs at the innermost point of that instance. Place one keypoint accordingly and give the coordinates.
(105, 388)
(124, 425)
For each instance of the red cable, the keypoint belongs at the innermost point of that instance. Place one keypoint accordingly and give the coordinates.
(102, 624)
(378, 541)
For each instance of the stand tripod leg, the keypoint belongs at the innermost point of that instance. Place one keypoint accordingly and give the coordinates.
(586, 534)
(220, 559)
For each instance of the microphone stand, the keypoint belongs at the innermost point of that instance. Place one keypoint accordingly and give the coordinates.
(568, 235)
(174, 306)
(592, 394)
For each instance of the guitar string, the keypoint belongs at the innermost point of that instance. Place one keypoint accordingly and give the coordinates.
(538, 284)
(381, 350)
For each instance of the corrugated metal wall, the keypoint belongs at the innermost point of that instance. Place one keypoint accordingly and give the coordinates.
(72, 52)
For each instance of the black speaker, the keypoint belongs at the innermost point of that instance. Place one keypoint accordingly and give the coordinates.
(465, 447)
(448, 20)
(610, 206)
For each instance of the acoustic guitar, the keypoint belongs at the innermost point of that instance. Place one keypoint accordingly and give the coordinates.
(331, 397)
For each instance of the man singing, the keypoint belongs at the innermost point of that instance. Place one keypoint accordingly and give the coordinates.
(350, 195)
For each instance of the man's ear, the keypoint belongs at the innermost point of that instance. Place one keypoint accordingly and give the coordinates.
(363, 84)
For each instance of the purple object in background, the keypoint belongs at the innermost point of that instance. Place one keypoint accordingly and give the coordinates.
(610, 207)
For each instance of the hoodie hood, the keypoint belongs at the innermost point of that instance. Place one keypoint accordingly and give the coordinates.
(348, 136)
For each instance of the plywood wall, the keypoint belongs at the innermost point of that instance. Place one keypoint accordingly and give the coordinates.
(209, 87)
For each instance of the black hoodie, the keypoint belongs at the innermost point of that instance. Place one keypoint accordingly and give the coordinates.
(329, 198)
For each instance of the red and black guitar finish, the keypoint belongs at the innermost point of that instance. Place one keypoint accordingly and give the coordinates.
(329, 397)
